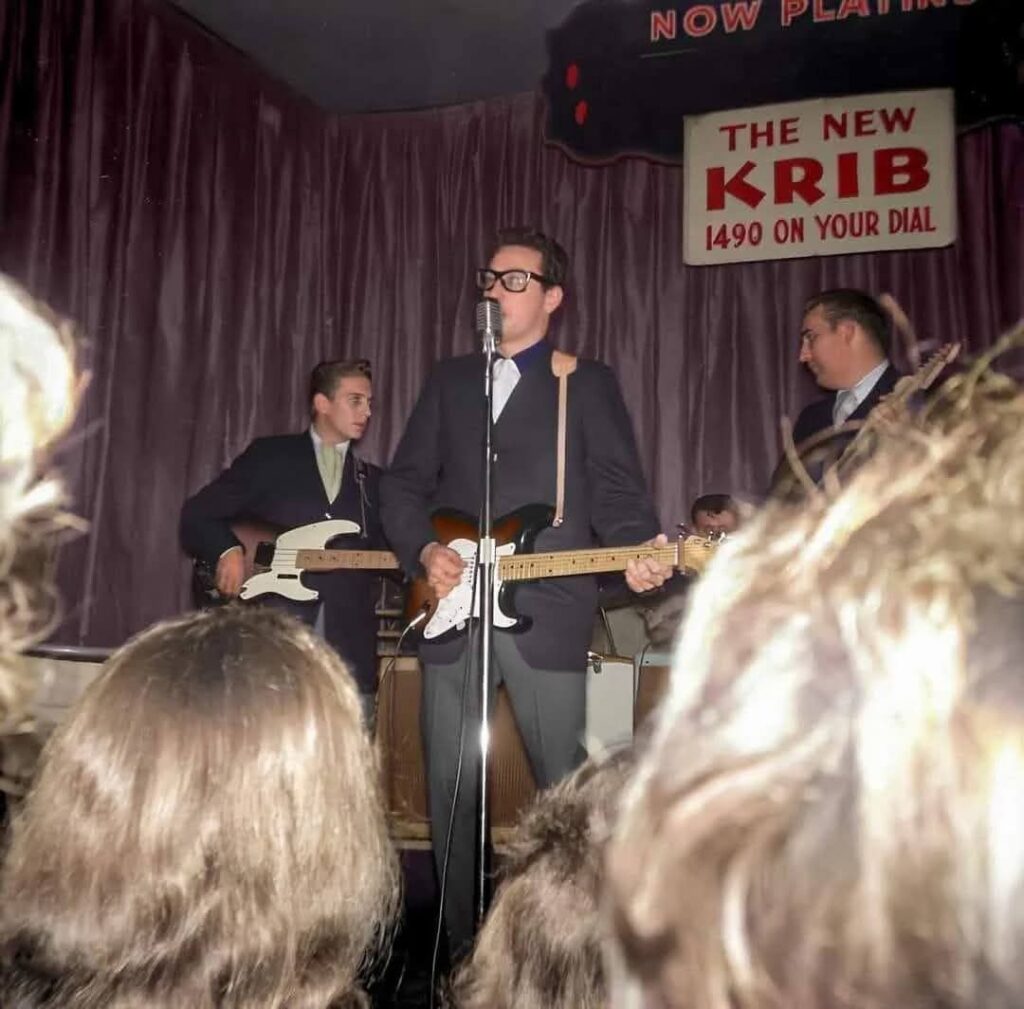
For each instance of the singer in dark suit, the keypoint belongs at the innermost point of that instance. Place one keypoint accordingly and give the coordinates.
(844, 342)
(438, 464)
(293, 480)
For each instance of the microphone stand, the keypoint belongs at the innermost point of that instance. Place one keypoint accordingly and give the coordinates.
(485, 585)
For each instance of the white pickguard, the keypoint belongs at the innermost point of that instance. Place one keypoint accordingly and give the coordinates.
(457, 607)
(283, 578)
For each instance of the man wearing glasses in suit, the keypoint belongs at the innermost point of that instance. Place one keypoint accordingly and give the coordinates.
(438, 464)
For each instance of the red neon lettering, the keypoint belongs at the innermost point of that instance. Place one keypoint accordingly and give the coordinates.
(663, 25)
(821, 13)
(900, 170)
(699, 20)
(741, 15)
(925, 4)
(735, 186)
(858, 7)
(791, 10)
(805, 185)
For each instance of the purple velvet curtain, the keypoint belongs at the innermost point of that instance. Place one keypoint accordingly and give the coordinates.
(215, 236)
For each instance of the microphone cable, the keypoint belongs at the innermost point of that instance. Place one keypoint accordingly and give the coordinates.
(467, 665)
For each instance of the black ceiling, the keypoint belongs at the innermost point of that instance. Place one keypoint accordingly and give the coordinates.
(376, 55)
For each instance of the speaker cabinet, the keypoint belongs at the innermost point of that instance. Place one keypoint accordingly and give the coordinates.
(653, 670)
(400, 742)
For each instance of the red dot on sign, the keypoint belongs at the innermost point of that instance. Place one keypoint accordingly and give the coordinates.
(572, 76)
(581, 113)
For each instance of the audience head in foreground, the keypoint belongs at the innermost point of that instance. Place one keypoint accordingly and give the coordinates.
(37, 377)
(541, 942)
(831, 810)
(206, 830)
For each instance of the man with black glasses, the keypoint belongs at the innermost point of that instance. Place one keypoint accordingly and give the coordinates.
(437, 465)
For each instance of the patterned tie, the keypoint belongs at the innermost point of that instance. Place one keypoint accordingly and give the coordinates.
(329, 463)
(845, 404)
(506, 375)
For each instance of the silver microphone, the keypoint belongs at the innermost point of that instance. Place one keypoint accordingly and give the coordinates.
(488, 321)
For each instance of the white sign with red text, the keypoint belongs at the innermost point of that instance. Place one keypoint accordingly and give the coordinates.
(820, 178)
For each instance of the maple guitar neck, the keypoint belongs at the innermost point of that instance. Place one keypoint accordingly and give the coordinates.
(333, 560)
(693, 552)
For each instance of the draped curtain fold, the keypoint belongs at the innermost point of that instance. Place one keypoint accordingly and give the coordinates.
(215, 236)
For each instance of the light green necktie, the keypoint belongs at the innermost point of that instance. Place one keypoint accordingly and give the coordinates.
(328, 461)
(846, 403)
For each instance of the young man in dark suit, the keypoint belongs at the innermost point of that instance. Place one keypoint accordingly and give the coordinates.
(438, 465)
(294, 480)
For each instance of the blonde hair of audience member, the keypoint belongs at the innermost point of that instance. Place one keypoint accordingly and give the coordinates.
(831, 812)
(206, 830)
(37, 377)
(540, 945)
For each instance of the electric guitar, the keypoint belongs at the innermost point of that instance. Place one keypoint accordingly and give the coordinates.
(515, 563)
(920, 381)
(830, 449)
(275, 560)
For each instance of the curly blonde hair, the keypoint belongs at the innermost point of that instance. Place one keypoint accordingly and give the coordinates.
(206, 830)
(831, 810)
(37, 376)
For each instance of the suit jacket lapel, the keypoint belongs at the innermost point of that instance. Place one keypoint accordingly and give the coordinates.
(885, 384)
(526, 396)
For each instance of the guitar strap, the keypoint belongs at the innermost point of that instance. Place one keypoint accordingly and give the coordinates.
(562, 366)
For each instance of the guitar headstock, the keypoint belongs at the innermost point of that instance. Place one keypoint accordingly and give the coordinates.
(932, 368)
(695, 552)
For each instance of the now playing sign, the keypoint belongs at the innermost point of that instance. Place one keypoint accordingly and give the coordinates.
(820, 178)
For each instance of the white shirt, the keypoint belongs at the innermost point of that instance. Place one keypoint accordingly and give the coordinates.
(847, 400)
(506, 378)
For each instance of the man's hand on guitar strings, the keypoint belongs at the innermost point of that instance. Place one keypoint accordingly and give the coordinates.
(647, 574)
(443, 566)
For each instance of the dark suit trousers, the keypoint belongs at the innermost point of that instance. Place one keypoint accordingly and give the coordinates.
(312, 615)
(550, 710)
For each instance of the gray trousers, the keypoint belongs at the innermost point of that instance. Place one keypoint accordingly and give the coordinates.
(550, 710)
